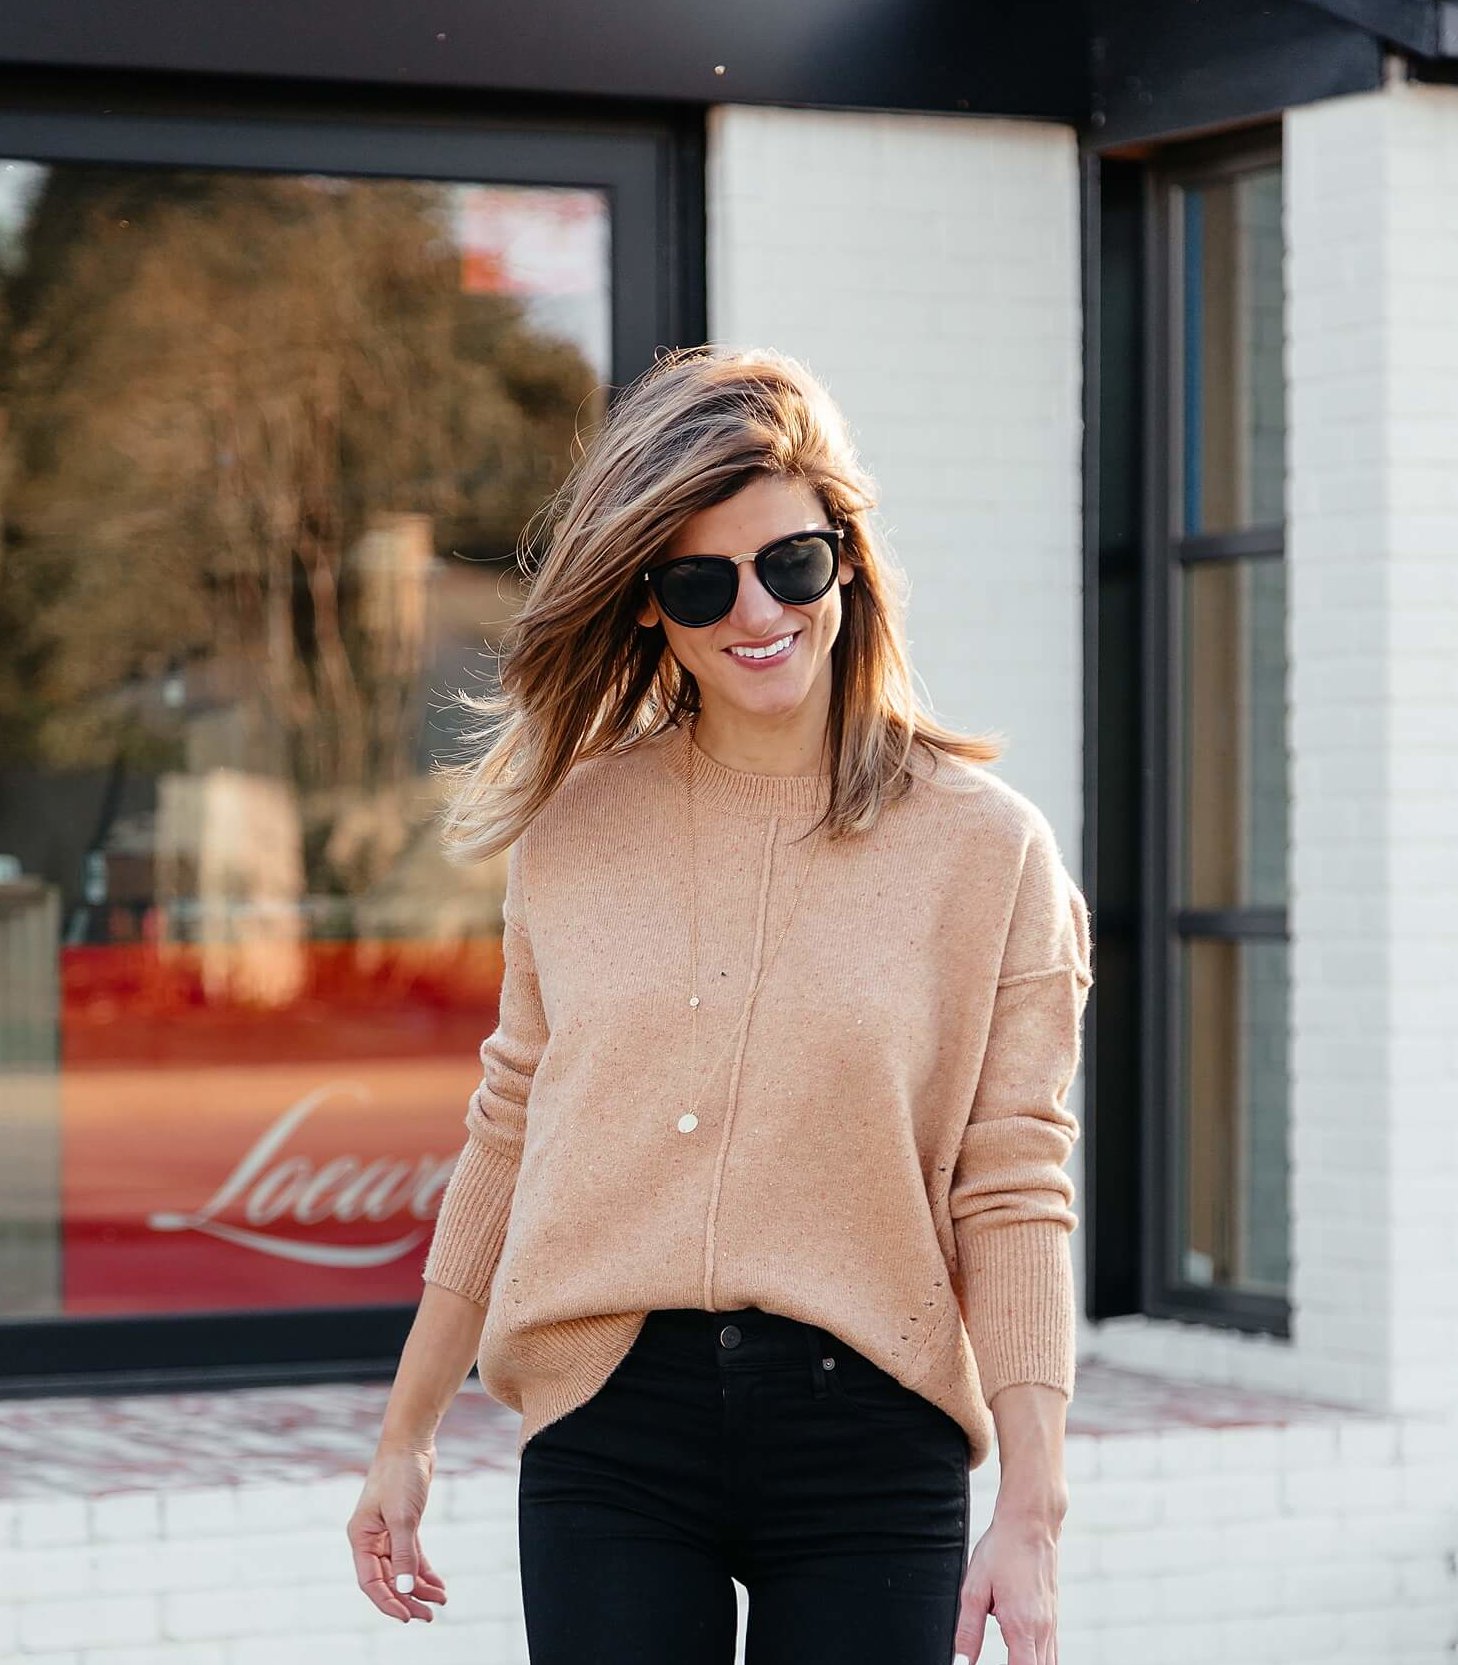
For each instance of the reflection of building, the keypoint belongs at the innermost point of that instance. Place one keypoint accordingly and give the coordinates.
(1157, 382)
(393, 564)
(230, 846)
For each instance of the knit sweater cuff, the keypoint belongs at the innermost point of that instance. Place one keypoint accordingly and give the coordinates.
(470, 1227)
(1018, 1301)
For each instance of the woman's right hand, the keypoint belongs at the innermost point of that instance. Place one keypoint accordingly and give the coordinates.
(384, 1529)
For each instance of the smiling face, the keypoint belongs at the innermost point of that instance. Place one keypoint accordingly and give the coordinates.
(761, 692)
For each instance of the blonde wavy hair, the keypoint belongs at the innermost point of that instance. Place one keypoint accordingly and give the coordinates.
(580, 677)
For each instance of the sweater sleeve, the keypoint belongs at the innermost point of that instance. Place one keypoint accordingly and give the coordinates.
(470, 1227)
(1011, 1200)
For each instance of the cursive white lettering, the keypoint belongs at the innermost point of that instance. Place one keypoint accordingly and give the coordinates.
(267, 1186)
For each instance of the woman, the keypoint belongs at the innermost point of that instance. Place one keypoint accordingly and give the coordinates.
(762, 1220)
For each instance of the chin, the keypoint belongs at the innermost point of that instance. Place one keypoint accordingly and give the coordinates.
(781, 705)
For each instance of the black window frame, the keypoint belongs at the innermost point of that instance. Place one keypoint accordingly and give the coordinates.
(1133, 546)
(650, 163)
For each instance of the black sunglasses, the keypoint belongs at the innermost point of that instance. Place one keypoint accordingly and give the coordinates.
(696, 590)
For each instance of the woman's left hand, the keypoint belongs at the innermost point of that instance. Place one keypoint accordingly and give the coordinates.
(1013, 1575)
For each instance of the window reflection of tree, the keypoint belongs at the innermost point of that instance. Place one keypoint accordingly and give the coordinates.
(244, 419)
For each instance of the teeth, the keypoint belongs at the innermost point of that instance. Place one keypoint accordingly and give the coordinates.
(764, 652)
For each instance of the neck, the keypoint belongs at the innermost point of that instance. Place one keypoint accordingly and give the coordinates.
(795, 745)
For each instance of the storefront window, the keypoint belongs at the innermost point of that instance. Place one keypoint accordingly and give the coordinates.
(1191, 776)
(1228, 760)
(1234, 387)
(267, 446)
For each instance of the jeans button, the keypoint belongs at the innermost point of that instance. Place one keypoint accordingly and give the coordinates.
(730, 1336)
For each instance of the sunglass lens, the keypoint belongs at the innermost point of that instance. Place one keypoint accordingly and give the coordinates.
(695, 591)
(800, 569)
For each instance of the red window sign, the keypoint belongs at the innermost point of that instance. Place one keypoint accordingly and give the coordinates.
(220, 1158)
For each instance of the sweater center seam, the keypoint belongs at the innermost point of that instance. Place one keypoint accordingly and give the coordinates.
(756, 958)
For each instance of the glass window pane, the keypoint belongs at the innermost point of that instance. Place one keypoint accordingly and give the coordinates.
(1234, 390)
(267, 444)
(1234, 749)
(1232, 1225)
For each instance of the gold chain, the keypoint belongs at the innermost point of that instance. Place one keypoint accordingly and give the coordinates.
(689, 1120)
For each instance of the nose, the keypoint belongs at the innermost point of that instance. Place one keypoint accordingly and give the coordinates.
(754, 607)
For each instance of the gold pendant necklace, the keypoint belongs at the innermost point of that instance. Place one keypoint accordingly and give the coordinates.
(689, 1120)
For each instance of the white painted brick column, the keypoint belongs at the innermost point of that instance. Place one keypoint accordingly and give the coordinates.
(1372, 207)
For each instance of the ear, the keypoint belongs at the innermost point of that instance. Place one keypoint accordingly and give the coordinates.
(846, 573)
(648, 614)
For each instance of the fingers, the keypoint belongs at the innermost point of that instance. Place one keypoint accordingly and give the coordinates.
(404, 1552)
(1033, 1643)
(416, 1608)
(387, 1579)
(972, 1618)
(369, 1572)
(1021, 1648)
(408, 1575)
(429, 1585)
(969, 1644)
(971, 1624)
(376, 1577)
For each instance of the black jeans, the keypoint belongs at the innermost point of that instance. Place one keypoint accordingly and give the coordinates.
(726, 1445)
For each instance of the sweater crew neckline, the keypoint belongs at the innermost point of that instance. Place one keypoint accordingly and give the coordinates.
(741, 791)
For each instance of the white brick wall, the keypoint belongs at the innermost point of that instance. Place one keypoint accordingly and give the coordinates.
(1373, 205)
(1325, 1542)
(1340, 968)
(1422, 740)
(250, 1575)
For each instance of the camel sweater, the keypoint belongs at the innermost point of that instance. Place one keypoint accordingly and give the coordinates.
(881, 1134)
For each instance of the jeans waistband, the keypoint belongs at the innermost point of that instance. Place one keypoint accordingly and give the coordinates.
(737, 1339)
